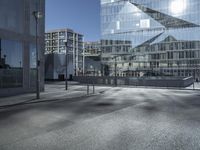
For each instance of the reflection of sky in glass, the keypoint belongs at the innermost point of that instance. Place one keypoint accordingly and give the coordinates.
(124, 21)
(12, 51)
(178, 6)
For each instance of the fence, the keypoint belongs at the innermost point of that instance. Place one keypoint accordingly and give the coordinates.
(176, 82)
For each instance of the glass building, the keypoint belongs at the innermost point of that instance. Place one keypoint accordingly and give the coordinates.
(92, 59)
(17, 45)
(149, 37)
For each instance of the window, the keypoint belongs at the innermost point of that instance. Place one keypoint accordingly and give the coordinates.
(32, 56)
(11, 64)
(11, 15)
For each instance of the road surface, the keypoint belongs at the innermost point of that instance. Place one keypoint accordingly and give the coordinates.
(116, 119)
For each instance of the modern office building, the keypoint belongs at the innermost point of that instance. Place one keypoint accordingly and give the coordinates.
(114, 53)
(55, 54)
(92, 48)
(164, 36)
(92, 59)
(18, 46)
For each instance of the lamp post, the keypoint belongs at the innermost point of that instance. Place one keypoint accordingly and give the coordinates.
(83, 58)
(115, 70)
(66, 62)
(37, 15)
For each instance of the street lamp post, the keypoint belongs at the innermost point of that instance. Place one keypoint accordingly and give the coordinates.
(83, 59)
(66, 62)
(37, 15)
(115, 70)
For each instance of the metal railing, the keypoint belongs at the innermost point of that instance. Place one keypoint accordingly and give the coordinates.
(174, 82)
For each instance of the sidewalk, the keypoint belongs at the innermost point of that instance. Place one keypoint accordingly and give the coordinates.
(55, 91)
(196, 86)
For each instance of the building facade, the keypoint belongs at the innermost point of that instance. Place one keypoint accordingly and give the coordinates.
(55, 54)
(164, 36)
(92, 48)
(18, 46)
(92, 59)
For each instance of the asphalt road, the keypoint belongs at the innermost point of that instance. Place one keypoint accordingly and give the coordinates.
(118, 119)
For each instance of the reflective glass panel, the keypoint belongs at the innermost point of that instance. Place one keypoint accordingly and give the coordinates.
(151, 37)
(32, 56)
(11, 64)
(11, 15)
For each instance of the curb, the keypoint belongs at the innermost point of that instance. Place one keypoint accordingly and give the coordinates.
(45, 100)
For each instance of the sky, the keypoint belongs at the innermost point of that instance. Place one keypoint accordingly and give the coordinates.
(83, 16)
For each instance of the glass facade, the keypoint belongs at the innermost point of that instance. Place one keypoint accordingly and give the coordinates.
(161, 37)
(32, 63)
(17, 45)
(92, 59)
(11, 64)
(11, 15)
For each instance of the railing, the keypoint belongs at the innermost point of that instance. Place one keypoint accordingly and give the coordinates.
(176, 82)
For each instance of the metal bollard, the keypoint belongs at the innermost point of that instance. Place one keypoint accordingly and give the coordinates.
(193, 86)
(93, 89)
(88, 89)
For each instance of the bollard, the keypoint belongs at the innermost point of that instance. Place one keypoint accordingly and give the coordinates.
(193, 86)
(93, 89)
(88, 90)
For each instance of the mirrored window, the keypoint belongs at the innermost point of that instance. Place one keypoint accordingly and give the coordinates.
(11, 64)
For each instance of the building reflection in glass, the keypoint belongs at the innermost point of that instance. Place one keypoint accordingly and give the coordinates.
(32, 59)
(11, 64)
(164, 35)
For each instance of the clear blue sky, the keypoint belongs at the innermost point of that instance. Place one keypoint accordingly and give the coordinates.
(80, 15)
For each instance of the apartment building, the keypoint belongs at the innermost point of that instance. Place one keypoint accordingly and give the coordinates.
(60, 44)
